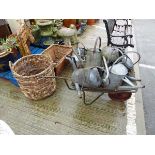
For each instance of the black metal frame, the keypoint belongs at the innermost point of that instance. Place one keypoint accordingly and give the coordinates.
(127, 23)
(110, 24)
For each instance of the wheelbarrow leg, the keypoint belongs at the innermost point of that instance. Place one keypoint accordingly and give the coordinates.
(70, 88)
(89, 103)
(77, 87)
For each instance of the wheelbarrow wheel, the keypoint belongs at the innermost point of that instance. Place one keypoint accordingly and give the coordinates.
(123, 96)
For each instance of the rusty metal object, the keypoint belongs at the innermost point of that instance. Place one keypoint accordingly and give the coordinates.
(120, 96)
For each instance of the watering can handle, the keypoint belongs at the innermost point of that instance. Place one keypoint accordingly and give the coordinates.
(139, 57)
(98, 38)
(107, 70)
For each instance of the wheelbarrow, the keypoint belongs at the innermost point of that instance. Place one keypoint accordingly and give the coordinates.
(120, 90)
(97, 76)
(121, 93)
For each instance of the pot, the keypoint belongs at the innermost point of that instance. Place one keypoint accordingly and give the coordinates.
(91, 21)
(68, 22)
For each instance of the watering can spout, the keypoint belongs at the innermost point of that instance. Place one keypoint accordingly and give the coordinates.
(125, 79)
(72, 61)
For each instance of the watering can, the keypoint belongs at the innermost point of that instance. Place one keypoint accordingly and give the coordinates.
(125, 59)
(91, 77)
(94, 55)
(111, 53)
(87, 77)
(117, 75)
(79, 55)
(81, 51)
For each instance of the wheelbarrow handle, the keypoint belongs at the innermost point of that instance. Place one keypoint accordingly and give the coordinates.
(132, 78)
(128, 88)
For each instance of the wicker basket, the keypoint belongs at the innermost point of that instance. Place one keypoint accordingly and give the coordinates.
(30, 71)
(58, 53)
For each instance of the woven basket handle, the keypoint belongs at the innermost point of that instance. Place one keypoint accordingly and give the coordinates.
(10, 65)
(98, 39)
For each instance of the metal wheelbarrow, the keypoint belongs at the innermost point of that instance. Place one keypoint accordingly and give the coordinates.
(97, 76)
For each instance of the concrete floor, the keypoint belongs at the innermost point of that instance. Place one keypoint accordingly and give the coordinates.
(145, 38)
(63, 112)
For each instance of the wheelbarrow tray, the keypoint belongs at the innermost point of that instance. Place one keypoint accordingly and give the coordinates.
(124, 88)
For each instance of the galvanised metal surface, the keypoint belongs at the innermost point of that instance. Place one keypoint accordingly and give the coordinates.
(63, 112)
